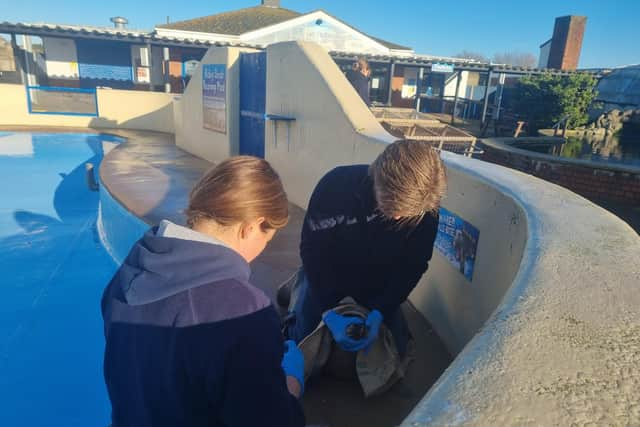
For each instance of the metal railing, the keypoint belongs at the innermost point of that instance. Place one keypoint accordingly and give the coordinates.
(62, 101)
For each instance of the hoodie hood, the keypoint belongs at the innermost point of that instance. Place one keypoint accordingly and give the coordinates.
(170, 259)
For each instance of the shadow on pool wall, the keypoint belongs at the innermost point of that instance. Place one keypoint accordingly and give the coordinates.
(545, 255)
(70, 198)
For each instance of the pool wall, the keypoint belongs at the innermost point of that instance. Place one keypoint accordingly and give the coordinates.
(594, 180)
(118, 228)
(120, 109)
(548, 331)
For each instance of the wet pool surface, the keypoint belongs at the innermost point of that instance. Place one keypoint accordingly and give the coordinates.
(53, 272)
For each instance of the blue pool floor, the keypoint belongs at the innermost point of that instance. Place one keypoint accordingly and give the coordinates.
(53, 270)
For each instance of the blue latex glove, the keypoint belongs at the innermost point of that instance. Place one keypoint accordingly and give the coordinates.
(293, 363)
(338, 325)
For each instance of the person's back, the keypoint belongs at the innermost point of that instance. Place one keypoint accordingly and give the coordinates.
(368, 234)
(348, 248)
(189, 341)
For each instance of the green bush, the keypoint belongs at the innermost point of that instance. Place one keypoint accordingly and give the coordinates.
(545, 99)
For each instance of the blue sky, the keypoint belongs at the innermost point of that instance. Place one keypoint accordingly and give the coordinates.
(430, 27)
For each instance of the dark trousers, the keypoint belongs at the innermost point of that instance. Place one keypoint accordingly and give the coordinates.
(308, 304)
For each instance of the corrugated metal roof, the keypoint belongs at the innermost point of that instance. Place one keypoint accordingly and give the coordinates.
(109, 33)
(460, 64)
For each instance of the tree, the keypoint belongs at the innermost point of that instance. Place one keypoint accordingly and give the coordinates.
(476, 56)
(518, 59)
(545, 99)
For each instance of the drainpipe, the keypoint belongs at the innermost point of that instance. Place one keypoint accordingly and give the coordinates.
(455, 97)
(165, 62)
(486, 97)
(28, 60)
(442, 90)
(419, 88)
(18, 59)
(150, 64)
(499, 93)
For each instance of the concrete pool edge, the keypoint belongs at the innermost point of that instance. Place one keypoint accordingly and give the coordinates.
(496, 379)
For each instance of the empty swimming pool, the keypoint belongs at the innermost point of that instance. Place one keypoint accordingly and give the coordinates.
(53, 272)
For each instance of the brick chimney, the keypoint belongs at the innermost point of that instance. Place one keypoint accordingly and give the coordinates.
(271, 3)
(566, 43)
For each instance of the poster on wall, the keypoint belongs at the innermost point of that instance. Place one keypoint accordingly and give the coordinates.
(214, 97)
(457, 241)
(142, 75)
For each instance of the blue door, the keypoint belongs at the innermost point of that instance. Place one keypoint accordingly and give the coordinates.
(253, 79)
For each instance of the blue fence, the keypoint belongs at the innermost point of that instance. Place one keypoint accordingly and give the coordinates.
(62, 101)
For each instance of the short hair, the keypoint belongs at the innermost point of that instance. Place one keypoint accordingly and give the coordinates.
(409, 180)
(239, 189)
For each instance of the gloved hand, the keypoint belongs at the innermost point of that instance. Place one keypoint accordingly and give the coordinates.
(293, 362)
(340, 325)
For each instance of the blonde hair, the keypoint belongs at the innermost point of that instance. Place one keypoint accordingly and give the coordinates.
(239, 189)
(409, 180)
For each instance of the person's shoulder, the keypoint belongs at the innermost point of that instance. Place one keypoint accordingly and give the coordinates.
(342, 180)
(428, 225)
(225, 300)
(348, 172)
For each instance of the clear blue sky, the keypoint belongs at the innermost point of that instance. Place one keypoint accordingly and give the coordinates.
(431, 27)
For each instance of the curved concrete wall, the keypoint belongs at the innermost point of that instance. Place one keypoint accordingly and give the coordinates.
(563, 346)
(555, 289)
(332, 125)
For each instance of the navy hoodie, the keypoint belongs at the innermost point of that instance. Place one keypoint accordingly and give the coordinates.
(189, 341)
(349, 248)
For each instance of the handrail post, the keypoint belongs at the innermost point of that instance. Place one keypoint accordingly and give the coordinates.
(486, 97)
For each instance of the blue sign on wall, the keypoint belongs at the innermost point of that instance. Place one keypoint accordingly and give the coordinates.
(438, 67)
(214, 97)
(457, 241)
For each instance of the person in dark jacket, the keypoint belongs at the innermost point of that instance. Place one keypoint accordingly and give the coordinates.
(359, 76)
(189, 341)
(368, 234)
